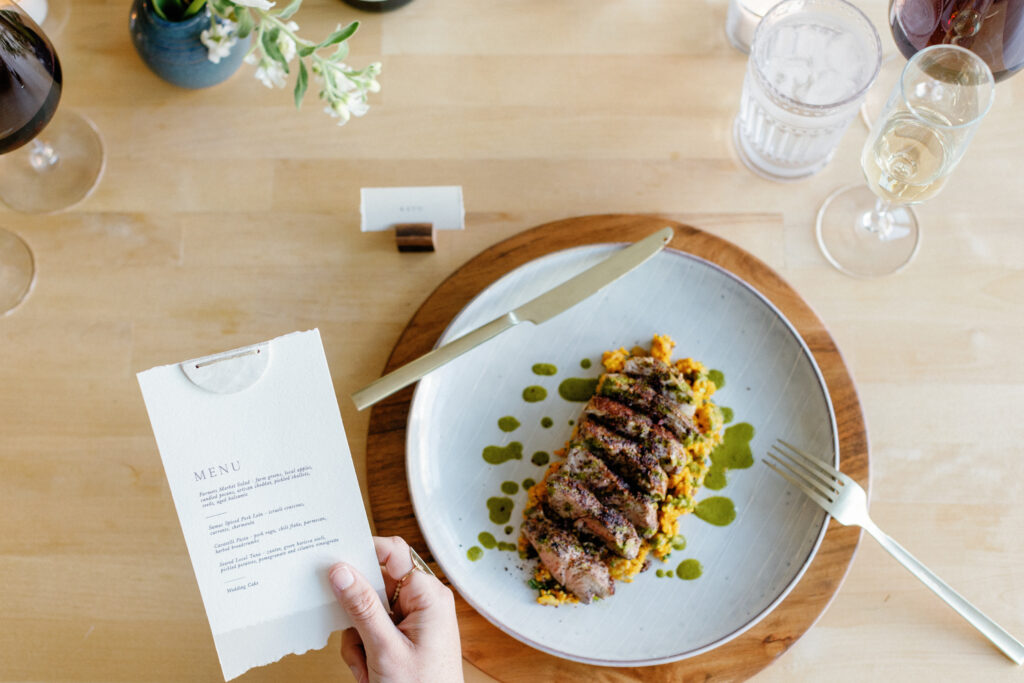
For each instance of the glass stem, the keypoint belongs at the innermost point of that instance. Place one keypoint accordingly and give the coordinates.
(42, 156)
(878, 220)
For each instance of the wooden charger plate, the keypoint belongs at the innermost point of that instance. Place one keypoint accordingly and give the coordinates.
(500, 655)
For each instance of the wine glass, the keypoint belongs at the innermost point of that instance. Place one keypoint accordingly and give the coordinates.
(61, 168)
(992, 29)
(929, 119)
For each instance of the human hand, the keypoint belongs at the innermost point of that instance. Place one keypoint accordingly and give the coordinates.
(422, 646)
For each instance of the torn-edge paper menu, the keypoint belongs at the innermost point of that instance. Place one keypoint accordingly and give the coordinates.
(261, 475)
(382, 208)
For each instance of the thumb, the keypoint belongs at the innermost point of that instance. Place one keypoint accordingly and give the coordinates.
(363, 606)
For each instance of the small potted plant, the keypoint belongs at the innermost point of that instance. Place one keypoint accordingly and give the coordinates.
(199, 43)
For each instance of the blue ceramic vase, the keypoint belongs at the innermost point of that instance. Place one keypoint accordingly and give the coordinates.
(173, 51)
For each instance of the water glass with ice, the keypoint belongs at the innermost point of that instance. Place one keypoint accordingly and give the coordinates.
(810, 65)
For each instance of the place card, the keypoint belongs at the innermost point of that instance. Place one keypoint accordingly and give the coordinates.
(382, 208)
(262, 478)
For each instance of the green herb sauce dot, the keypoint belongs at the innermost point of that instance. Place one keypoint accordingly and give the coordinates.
(540, 458)
(487, 539)
(546, 422)
(717, 377)
(585, 363)
(544, 369)
(528, 483)
(495, 455)
(534, 393)
(500, 509)
(509, 530)
(508, 423)
(688, 570)
(679, 542)
(510, 487)
(717, 510)
(727, 414)
(577, 389)
(474, 554)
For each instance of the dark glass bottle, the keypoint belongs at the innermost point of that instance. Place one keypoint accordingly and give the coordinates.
(377, 5)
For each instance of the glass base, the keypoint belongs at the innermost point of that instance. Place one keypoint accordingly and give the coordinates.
(877, 95)
(32, 182)
(752, 166)
(17, 271)
(854, 249)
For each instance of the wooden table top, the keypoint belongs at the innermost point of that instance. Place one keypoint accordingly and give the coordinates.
(225, 218)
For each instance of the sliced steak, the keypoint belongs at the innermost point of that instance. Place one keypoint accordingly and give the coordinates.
(640, 395)
(640, 510)
(571, 500)
(664, 378)
(636, 464)
(582, 574)
(637, 426)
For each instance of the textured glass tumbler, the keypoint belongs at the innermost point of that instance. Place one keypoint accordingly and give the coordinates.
(810, 64)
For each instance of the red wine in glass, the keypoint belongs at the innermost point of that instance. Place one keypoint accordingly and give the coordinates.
(30, 80)
(992, 29)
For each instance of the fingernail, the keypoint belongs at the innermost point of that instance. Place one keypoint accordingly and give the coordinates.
(341, 578)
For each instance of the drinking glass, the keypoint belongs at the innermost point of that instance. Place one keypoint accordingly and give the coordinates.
(51, 15)
(810, 64)
(60, 169)
(992, 29)
(741, 21)
(923, 131)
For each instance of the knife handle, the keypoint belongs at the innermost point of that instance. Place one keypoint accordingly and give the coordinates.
(410, 372)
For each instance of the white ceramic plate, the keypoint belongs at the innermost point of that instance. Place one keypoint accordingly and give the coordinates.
(772, 382)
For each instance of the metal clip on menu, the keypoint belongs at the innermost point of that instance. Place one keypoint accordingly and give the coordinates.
(415, 236)
(229, 372)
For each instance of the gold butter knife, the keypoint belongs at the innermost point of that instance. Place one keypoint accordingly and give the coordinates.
(542, 308)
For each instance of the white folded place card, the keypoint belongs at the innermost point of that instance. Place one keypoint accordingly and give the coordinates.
(384, 207)
(261, 475)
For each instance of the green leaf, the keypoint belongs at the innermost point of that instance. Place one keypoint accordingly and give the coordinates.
(288, 11)
(269, 41)
(158, 7)
(340, 53)
(306, 50)
(245, 23)
(301, 83)
(194, 8)
(340, 34)
(221, 7)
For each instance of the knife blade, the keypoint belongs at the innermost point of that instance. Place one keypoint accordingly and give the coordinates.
(537, 310)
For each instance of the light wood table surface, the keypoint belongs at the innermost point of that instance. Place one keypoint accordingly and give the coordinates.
(226, 218)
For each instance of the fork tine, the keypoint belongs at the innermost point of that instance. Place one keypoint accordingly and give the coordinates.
(804, 470)
(811, 493)
(821, 489)
(825, 468)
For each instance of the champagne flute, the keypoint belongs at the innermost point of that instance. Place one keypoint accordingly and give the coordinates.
(927, 123)
(40, 174)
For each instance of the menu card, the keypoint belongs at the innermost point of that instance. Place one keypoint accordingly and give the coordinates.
(261, 475)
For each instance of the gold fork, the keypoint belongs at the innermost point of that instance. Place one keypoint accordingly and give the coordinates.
(846, 501)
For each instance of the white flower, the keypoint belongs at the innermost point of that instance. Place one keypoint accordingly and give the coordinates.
(338, 110)
(358, 105)
(286, 45)
(256, 4)
(251, 58)
(270, 74)
(219, 39)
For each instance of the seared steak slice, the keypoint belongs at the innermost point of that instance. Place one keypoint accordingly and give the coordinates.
(640, 510)
(626, 421)
(640, 395)
(635, 463)
(571, 500)
(664, 377)
(582, 574)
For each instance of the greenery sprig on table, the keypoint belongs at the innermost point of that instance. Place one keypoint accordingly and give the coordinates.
(276, 45)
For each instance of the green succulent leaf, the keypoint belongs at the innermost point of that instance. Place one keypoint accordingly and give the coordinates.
(340, 34)
(290, 10)
(341, 53)
(269, 42)
(158, 7)
(193, 9)
(245, 23)
(301, 83)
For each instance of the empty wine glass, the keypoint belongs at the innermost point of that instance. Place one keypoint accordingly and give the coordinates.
(927, 123)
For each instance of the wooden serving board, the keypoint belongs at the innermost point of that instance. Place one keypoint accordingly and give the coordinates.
(485, 645)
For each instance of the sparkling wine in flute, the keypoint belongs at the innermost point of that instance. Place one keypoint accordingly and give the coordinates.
(992, 29)
(908, 162)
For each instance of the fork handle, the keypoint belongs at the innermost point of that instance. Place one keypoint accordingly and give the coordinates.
(1010, 646)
